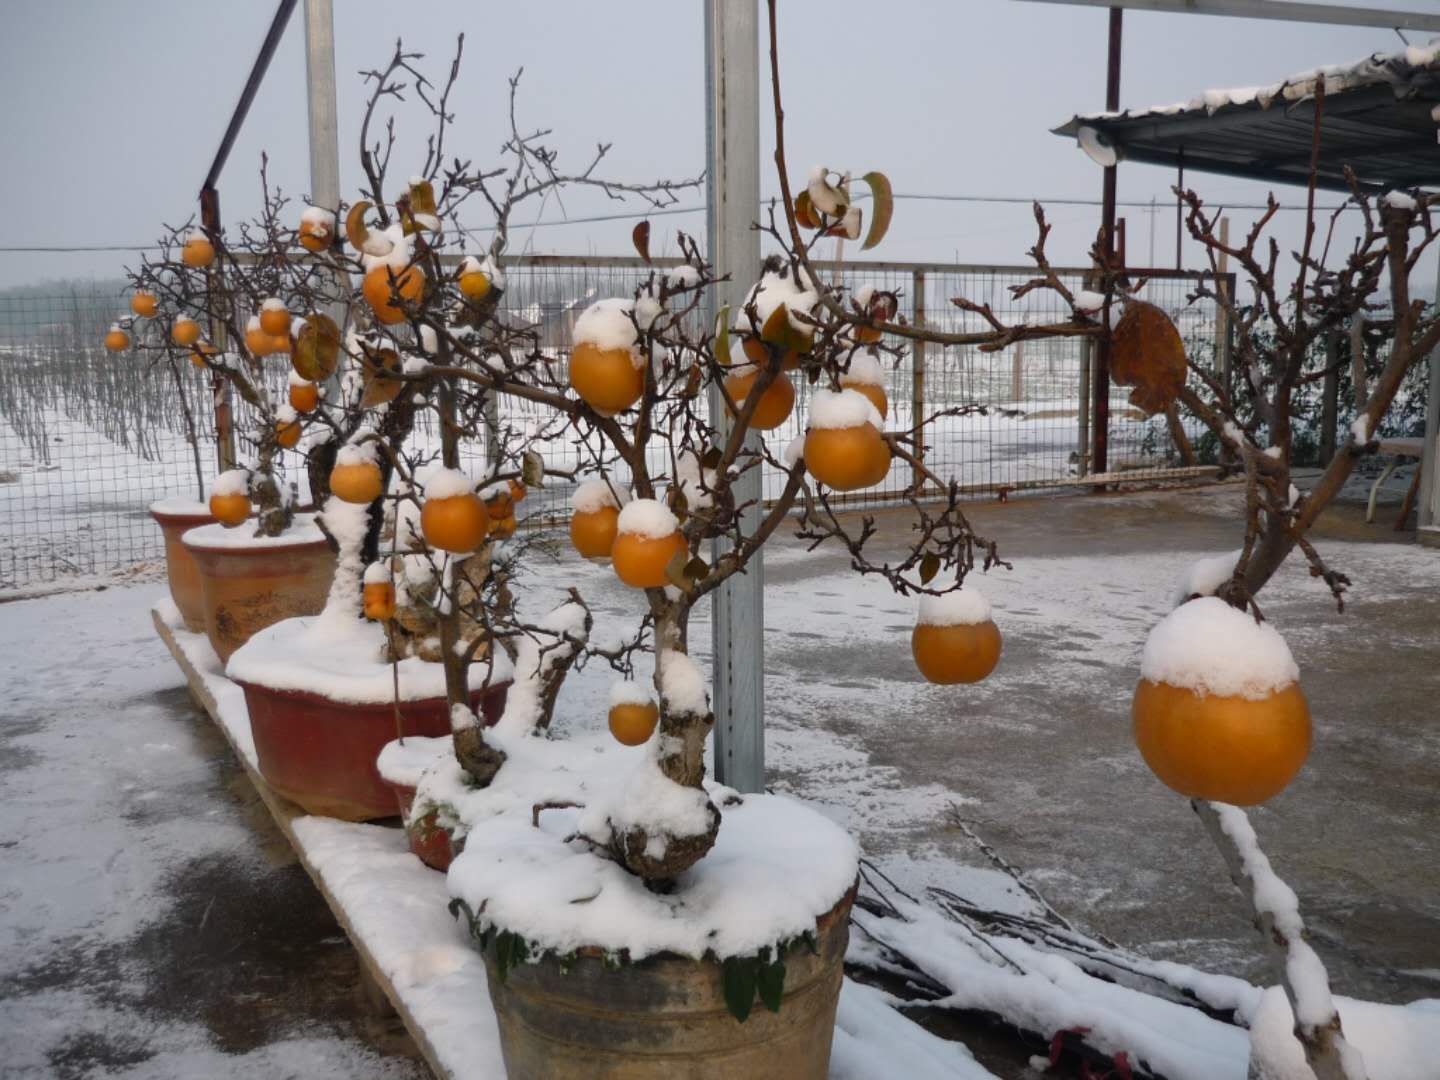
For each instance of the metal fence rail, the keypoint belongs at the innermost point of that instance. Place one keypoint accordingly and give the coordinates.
(89, 440)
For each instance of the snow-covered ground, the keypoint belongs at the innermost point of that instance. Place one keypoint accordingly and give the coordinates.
(131, 886)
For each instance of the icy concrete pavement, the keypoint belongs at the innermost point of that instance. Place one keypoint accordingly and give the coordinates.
(152, 920)
(1043, 747)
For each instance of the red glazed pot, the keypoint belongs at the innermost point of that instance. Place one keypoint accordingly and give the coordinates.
(321, 753)
(247, 588)
(176, 517)
(431, 844)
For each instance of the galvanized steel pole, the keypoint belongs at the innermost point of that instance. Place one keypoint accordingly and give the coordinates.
(324, 135)
(320, 83)
(1100, 370)
(732, 115)
(1430, 459)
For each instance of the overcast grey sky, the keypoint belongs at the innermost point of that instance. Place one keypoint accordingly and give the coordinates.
(115, 110)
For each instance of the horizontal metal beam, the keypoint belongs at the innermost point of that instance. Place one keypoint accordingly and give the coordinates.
(1281, 10)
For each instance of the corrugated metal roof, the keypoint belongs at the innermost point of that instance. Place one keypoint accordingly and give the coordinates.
(1379, 118)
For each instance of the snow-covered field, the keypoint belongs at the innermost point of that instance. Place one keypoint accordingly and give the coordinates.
(81, 515)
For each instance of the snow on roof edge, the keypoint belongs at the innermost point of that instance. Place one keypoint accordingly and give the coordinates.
(1395, 68)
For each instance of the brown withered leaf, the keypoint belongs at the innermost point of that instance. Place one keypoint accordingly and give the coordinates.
(1146, 352)
(929, 567)
(532, 470)
(316, 352)
(382, 366)
(640, 237)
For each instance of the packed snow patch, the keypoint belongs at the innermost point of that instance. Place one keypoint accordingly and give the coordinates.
(218, 538)
(595, 495)
(404, 761)
(447, 483)
(682, 277)
(355, 455)
(608, 324)
(776, 288)
(962, 607)
(650, 801)
(316, 215)
(845, 409)
(377, 573)
(1212, 648)
(776, 867)
(1206, 575)
(1088, 301)
(682, 686)
(231, 482)
(630, 692)
(179, 506)
(1397, 1042)
(865, 370)
(648, 518)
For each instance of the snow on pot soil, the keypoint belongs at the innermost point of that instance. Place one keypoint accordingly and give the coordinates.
(399, 909)
(775, 868)
(344, 660)
(218, 538)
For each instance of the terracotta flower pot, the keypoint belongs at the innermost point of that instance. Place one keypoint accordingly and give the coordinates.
(665, 1016)
(321, 753)
(248, 583)
(431, 844)
(176, 517)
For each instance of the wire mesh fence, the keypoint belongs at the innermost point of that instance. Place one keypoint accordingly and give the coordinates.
(88, 440)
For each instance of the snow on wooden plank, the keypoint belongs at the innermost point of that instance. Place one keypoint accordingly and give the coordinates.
(395, 912)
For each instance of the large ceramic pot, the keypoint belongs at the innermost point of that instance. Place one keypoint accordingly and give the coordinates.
(429, 842)
(320, 753)
(248, 583)
(665, 1017)
(402, 764)
(176, 517)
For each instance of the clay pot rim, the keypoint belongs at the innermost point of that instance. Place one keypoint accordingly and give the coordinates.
(266, 545)
(314, 697)
(174, 517)
(824, 922)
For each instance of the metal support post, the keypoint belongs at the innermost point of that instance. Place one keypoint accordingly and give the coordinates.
(1430, 461)
(732, 100)
(324, 136)
(1100, 375)
(917, 373)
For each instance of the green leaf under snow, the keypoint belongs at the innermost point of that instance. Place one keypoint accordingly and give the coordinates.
(770, 981)
(737, 978)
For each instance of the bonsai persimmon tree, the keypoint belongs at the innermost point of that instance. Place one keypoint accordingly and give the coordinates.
(238, 306)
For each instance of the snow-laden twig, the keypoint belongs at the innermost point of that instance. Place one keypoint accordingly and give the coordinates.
(1277, 917)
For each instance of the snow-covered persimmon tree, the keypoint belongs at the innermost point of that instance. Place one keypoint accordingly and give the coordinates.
(1219, 714)
(227, 301)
